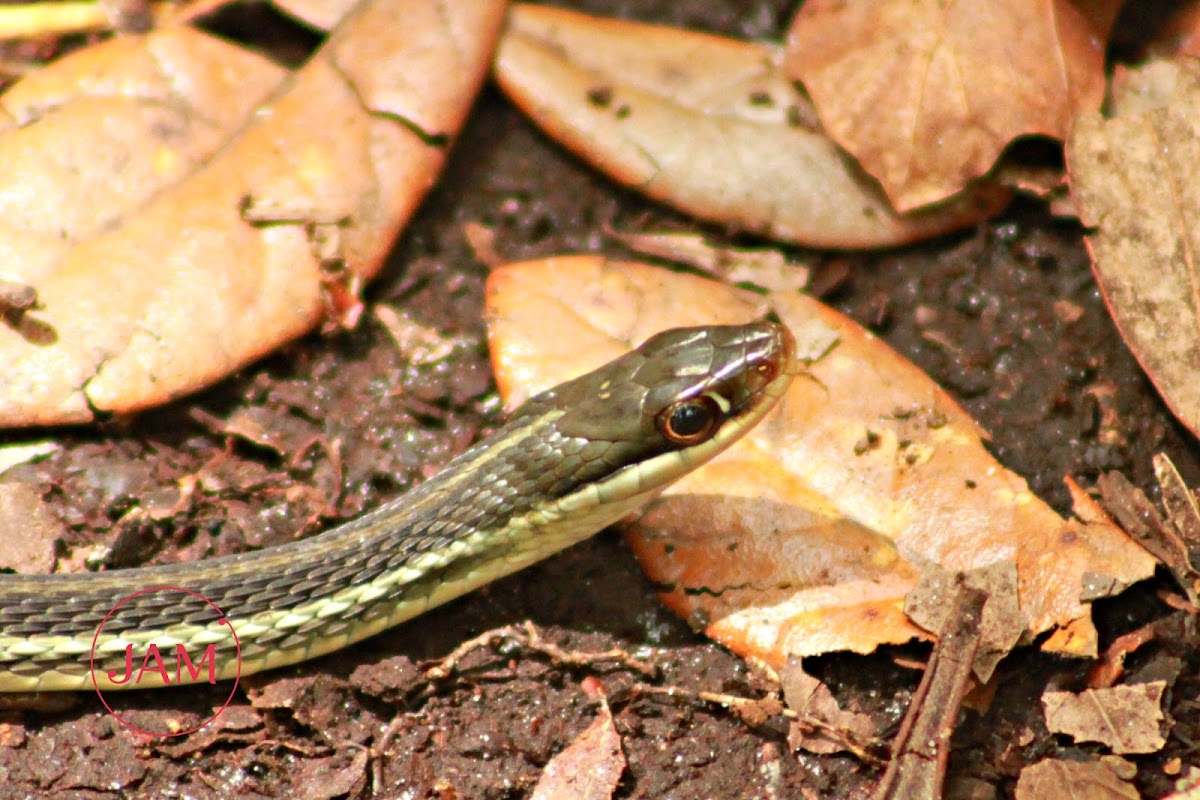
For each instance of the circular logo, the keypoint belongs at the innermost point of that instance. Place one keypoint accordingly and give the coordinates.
(149, 664)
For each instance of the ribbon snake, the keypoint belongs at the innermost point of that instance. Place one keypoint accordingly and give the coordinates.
(569, 462)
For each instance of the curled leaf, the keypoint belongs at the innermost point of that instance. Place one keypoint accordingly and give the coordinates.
(927, 94)
(709, 125)
(1134, 177)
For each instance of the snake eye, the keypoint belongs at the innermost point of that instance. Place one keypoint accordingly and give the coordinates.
(689, 422)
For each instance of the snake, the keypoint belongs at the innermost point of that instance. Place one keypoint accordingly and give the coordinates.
(569, 462)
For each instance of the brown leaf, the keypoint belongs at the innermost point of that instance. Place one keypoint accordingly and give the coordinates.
(927, 94)
(1183, 511)
(17, 453)
(711, 126)
(321, 702)
(391, 679)
(1054, 779)
(766, 268)
(28, 530)
(864, 444)
(774, 577)
(336, 776)
(1134, 178)
(87, 755)
(589, 768)
(809, 697)
(1109, 668)
(235, 724)
(1124, 718)
(217, 203)
(1141, 519)
(1002, 623)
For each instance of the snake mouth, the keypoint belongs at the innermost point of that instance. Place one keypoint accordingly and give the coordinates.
(764, 373)
(778, 361)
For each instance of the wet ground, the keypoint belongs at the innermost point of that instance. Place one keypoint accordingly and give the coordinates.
(1006, 316)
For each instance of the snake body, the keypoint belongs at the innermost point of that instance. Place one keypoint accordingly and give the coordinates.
(568, 462)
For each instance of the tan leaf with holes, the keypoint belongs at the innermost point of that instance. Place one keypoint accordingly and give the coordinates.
(589, 768)
(711, 126)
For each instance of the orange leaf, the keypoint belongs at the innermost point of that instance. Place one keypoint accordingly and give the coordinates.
(926, 94)
(865, 444)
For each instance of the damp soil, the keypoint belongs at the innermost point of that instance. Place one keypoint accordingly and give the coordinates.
(1006, 316)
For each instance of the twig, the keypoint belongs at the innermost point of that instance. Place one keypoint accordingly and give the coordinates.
(527, 636)
(755, 711)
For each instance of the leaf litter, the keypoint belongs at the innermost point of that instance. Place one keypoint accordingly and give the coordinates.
(868, 443)
(1059, 779)
(275, 215)
(708, 125)
(590, 767)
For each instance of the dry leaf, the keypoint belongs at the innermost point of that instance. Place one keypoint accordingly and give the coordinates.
(1054, 779)
(784, 577)
(708, 125)
(812, 699)
(12, 455)
(589, 768)
(1124, 718)
(1002, 623)
(863, 442)
(1179, 501)
(1141, 519)
(417, 344)
(333, 777)
(763, 267)
(29, 531)
(926, 94)
(217, 203)
(1134, 178)
(1109, 668)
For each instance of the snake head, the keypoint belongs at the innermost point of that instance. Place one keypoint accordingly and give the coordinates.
(640, 422)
